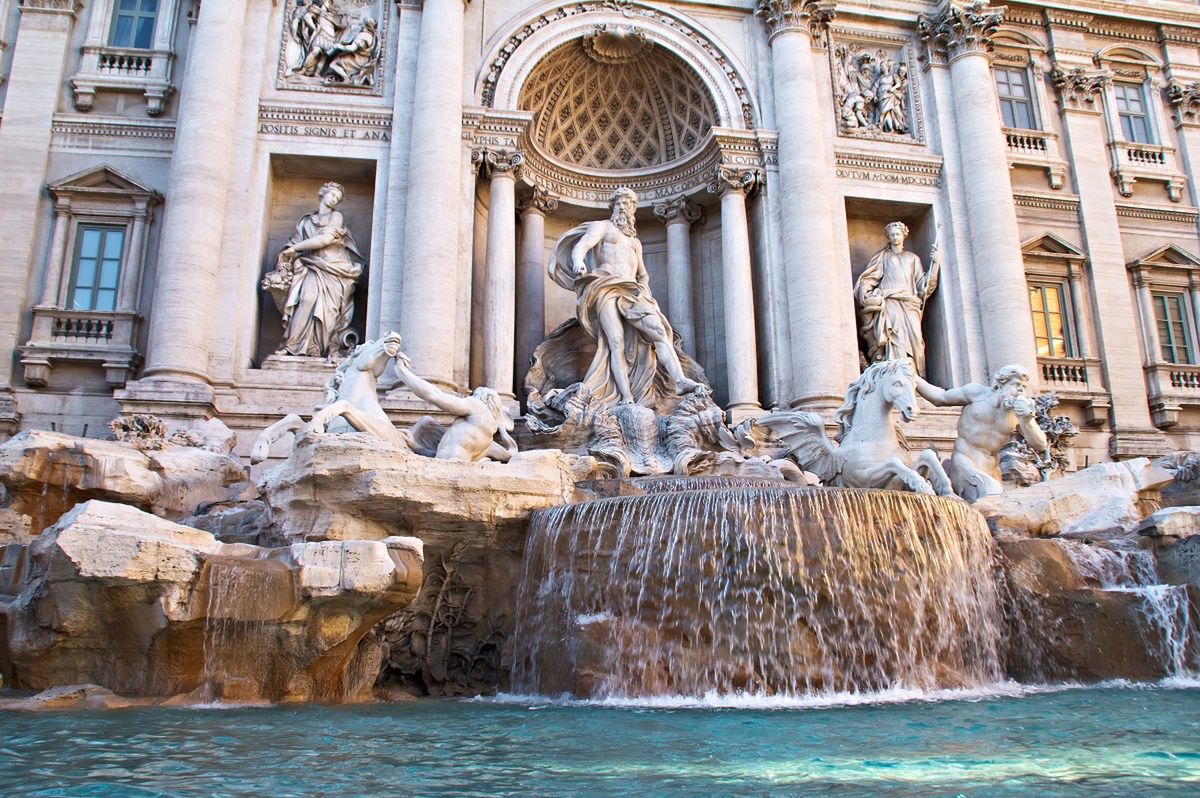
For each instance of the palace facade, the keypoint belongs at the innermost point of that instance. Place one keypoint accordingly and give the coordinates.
(156, 155)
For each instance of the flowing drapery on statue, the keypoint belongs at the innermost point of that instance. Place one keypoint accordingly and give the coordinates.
(890, 296)
(636, 361)
(314, 279)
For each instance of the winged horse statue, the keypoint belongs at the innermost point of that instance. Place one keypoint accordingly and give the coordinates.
(868, 450)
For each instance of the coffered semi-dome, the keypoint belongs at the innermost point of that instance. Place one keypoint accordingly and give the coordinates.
(615, 101)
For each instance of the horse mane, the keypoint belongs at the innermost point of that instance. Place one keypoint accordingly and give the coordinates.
(864, 385)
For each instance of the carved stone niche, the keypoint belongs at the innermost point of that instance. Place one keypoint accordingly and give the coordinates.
(875, 90)
(333, 45)
(70, 323)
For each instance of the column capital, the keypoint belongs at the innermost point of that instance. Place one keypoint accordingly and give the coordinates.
(811, 17)
(540, 201)
(1185, 98)
(743, 179)
(959, 29)
(678, 211)
(497, 161)
(1079, 88)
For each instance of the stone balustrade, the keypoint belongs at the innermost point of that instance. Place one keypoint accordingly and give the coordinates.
(1132, 161)
(106, 337)
(124, 70)
(1171, 386)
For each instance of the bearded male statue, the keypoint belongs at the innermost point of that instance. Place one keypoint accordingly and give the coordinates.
(989, 417)
(636, 361)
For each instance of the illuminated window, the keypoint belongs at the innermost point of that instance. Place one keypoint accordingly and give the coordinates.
(1016, 100)
(1170, 314)
(1132, 112)
(133, 24)
(1050, 328)
(96, 273)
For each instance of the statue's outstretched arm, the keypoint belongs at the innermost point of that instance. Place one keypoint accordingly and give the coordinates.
(592, 236)
(1032, 433)
(443, 400)
(942, 397)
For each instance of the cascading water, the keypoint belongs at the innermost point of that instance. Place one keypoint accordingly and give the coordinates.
(704, 586)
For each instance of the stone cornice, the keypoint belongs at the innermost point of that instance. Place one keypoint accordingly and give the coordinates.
(805, 16)
(959, 29)
(1061, 203)
(885, 168)
(1079, 88)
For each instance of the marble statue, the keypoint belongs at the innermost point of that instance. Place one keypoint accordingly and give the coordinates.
(890, 297)
(332, 45)
(871, 90)
(314, 278)
(602, 263)
(481, 429)
(350, 396)
(989, 417)
(869, 452)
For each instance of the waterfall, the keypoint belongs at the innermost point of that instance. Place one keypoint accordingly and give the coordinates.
(701, 586)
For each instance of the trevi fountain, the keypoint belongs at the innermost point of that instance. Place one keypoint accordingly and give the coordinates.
(629, 573)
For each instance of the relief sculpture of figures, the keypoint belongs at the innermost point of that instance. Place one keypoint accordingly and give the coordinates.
(333, 46)
(890, 297)
(314, 278)
(602, 263)
(871, 90)
(990, 416)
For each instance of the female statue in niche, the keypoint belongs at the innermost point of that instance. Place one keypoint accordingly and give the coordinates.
(314, 278)
(890, 297)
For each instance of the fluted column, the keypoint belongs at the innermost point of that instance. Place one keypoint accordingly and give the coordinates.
(531, 277)
(961, 35)
(35, 81)
(737, 281)
(429, 279)
(679, 216)
(189, 256)
(811, 258)
(499, 167)
(1080, 98)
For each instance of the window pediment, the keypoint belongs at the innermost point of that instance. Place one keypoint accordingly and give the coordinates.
(1170, 258)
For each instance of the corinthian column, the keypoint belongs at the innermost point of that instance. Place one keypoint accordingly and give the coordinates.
(34, 84)
(189, 256)
(500, 267)
(737, 281)
(961, 35)
(531, 276)
(679, 217)
(824, 349)
(429, 277)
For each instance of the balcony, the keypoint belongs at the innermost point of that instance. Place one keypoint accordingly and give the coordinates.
(1077, 379)
(147, 72)
(1038, 149)
(1151, 162)
(1171, 386)
(105, 337)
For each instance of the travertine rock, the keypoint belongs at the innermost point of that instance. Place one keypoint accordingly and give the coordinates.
(1175, 522)
(1103, 497)
(142, 606)
(354, 486)
(47, 473)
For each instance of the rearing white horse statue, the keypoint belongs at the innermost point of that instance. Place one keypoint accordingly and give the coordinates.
(870, 450)
(350, 395)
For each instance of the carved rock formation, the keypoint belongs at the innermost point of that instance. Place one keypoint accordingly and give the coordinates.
(356, 487)
(119, 598)
(44, 474)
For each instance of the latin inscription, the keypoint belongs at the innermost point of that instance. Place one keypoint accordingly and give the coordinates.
(322, 132)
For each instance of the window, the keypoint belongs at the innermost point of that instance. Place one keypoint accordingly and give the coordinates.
(133, 24)
(1050, 320)
(1132, 113)
(97, 268)
(1170, 310)
(1016, 100)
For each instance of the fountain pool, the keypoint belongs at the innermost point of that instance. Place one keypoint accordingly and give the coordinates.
(999, 741)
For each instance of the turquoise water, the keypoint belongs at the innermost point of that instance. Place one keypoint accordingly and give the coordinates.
(1100, 741)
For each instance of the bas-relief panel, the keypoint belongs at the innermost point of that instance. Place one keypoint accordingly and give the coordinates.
(333, 46)
(875, 87)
